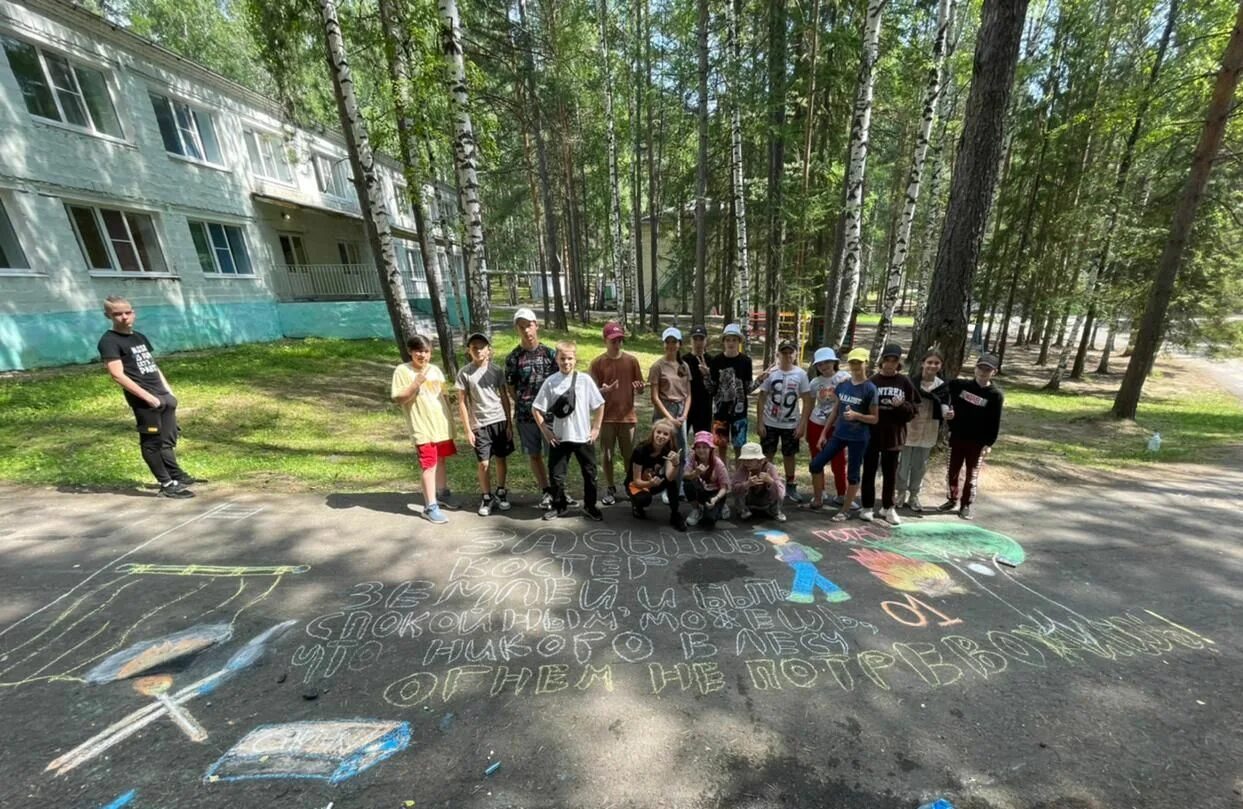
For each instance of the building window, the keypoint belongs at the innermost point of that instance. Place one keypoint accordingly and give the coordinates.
(333, 176)
(221, 249)
(11, 255)
(349, 252)
(117, 241)
(60, 90)
(267, 157)
(186, 131)
(293, 250)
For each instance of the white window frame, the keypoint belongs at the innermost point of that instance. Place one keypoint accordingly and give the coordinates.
(55, 90)
(9, 227)
(347, 248)
(268, 149)
(215, 250)
(332, 175)
(297, 248)
(194, 135)
(102, 227)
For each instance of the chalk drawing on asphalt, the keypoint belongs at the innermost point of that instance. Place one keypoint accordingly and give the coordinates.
(151, 569)
(332, 751)
(148, 654)
(121, 801)
(904, 573)
(802, 560)
(245, 657)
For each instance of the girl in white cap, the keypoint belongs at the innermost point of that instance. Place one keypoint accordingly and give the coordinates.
(706, 481)
(824, 365)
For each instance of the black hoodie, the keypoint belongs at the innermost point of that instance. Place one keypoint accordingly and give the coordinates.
(977, 411)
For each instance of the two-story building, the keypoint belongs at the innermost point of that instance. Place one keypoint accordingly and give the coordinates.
(128, 170)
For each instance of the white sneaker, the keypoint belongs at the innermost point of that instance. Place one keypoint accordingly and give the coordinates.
(745, 514)
(890, 515)
(485, 505)
(781, 516)
(914, 505)
(725, 512)
(695, 516)
(866, 515)
(664, 498)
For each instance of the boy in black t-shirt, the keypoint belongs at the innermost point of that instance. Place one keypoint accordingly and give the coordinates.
(127, 358)
(730, 380)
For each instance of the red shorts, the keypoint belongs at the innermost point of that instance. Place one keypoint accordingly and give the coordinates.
(430, 454)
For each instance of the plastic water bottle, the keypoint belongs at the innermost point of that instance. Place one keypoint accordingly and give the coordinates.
(939, 803)
(1154, 443)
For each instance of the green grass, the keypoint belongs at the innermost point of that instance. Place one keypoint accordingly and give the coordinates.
(315, 415)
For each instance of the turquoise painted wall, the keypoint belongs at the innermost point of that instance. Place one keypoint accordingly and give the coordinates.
(67, 338)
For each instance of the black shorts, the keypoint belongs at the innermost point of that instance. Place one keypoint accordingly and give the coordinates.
(493, 441)
(789, 444)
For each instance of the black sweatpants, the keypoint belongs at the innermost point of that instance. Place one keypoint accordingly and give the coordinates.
(887, 460)
(157, 438)
(559, 463)
(645, 497)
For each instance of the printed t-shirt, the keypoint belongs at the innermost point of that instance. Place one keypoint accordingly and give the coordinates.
(823, 392)
(889, 432)
(650, 462)
(625, 371)
(525, 372)
(134, 351)
(785, 389)
(576, 427)
(732, 378)
(483, 384)
(425, 413)
(672, 380)
(858, 397)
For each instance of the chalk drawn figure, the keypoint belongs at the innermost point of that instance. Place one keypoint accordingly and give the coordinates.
(149, 654)
(170, 706)
(332, 751)
(802, 560)
(904, 573)
(938, 541)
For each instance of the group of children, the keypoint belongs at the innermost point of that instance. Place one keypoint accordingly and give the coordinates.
(852, 423)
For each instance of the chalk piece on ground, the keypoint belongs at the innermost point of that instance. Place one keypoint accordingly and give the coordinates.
(492, 768)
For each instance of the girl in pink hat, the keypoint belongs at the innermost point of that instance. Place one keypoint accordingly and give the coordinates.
(706, 481)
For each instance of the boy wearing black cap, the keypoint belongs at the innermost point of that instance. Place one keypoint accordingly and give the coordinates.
(782, 408)
(700, 416)
(899, 401)
(483, 403)
(730, 383)
(974, 420)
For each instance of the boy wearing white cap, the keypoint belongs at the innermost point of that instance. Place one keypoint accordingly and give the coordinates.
(526, 368)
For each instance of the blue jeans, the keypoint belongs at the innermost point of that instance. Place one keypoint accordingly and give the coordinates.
(807, 579)
(855, 450)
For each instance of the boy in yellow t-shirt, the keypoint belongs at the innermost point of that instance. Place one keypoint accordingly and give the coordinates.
(419, 387)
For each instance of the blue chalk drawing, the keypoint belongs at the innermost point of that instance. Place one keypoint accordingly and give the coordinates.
(148, 654)
(332, 751)
(939, 541)
(123, 800)
(802, 560)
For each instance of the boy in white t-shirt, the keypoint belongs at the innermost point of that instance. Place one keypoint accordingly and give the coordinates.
(563, 410)
(782, 408)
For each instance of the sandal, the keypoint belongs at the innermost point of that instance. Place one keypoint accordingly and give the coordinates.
(814, 505)
(841, 516)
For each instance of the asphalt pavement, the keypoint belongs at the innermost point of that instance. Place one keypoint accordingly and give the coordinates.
(1071, 648)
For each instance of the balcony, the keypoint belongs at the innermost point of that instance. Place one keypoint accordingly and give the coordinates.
(330, 282)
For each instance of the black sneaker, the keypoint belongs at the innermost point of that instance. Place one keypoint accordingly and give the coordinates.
(966, 513)
(554, 513)
(638, 513)
(610, 496)
(570, 502)
(948, 505)
(174, 489)
(190, 480)
(502, 499)
(677, 521)
(545, 502)
(593, 513)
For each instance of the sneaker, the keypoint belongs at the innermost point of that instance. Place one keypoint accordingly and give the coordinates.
(610, 496)
(174, 489)
(554, 513)
(502, 499)
(914, 505)
(792, 495)
(677, 521)
(638, 513)
(838, 500)
(664, 498)
(432, 513)
(725, 512)
(445, 500)
(890, 515)
(694, 517)
(867, 515)
(545, 502)
(570, 502)
(780, 516)
(744, 514)
(840, 516)
(190, 480)
(948, 505)
(899, 499)
(485, 505)
(966, 513)
(593, 513)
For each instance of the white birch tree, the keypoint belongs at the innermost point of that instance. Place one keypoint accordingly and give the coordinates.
(618, 252)
(742, 262)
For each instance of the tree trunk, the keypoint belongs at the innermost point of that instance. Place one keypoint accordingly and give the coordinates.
(465, 152)
(367, 182)
(927, 253)
(776, 170)
(396, 44)
(1103, 366)
(700, 308)
(636, 186)
(974, 181)
(901, 244)
(617, 246)
(550, 211)
(738, 176)
(653, 210)
(860, 128)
